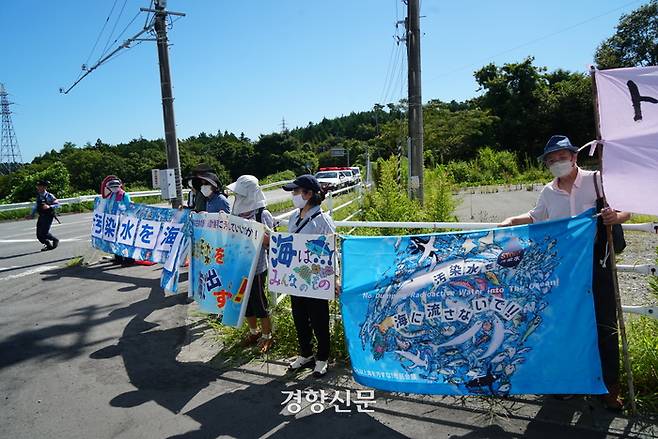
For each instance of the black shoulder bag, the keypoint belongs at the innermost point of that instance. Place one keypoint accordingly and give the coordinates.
(618, 240)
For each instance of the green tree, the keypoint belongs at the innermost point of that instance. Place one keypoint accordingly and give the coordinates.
(454, 135)
(514, 94)
(25, 185)
(635, 41)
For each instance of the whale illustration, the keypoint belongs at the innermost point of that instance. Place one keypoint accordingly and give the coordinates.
(463, 337)
(415, 359)
(496, 339)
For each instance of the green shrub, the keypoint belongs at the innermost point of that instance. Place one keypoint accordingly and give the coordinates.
(24, 188)
(496, 167)
(284, 333)
(642, 334)
(388, 201)
(279, 176)
(439, 202)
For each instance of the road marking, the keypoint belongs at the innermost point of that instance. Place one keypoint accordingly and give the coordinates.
(9, 241)
(33, 229)
(29, 272)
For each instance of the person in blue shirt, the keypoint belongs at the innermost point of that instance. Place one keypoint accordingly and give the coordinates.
(45, 206)
(213, 193)
(118, 202)
(197, 200)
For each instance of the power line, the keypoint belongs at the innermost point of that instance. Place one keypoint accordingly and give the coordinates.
(536, 40)
(109, 37)
(396, 74)
(392, 63)
(100, 33)
(148, 14)
(126, 28)
(124, 45)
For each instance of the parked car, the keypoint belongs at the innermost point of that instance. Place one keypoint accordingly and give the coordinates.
(357, 173)
(330, 180)
(349, 177)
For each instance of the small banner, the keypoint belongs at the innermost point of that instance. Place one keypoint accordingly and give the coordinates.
(496, 312)
(628, 110)
(225, 251)
(302, 265)
(142, 232)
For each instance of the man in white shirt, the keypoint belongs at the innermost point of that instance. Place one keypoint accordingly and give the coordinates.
(571, 193)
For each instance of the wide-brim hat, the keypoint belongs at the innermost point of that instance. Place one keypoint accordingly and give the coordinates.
(203, 168)
(557, 143)
(306, 181)
(244, 185)
(209, 177)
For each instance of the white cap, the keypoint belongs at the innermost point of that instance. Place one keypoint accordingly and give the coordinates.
(249, 195)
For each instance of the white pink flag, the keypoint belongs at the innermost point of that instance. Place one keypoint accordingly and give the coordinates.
(628, 109)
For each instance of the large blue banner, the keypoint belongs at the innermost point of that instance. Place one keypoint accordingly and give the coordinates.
(504, 311)
(225, 251)
(144, 233)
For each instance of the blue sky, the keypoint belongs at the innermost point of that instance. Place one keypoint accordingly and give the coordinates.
(243, 65)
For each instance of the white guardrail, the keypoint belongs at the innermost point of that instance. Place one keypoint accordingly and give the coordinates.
(138, 194)
(647, 269)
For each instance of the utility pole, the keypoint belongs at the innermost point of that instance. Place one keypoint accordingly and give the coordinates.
(415, 104)
(159, 24)
(171, 141)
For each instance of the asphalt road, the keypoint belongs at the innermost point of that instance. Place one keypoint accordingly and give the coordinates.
(20, 253)
(91, 352)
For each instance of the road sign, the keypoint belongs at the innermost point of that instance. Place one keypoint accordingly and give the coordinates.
(337, 152)
(155, 178)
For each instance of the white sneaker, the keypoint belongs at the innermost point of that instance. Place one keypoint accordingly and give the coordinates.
(301, 362)
(320, 369)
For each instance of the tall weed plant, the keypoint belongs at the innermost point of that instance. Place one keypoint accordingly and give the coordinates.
(496, 167)
(642, 333)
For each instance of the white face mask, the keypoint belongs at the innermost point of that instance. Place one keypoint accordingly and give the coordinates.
(298, 201)
(561, 169)
(206, 190)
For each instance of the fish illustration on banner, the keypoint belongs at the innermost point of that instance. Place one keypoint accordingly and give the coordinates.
(144, 233)
(504, 311)
(225, 250)
(302, 265)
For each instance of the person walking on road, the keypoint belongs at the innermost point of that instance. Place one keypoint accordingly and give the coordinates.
(45, 206)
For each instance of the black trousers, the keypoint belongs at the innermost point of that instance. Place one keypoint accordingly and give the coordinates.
(43, 229)
(311, 317)
(605, 307)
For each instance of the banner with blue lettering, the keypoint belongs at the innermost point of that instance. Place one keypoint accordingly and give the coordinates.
(225, 250)
(302, 265)
(142, 232)
(503, 311)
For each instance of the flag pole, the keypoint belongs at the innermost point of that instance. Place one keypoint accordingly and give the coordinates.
(612, 256)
